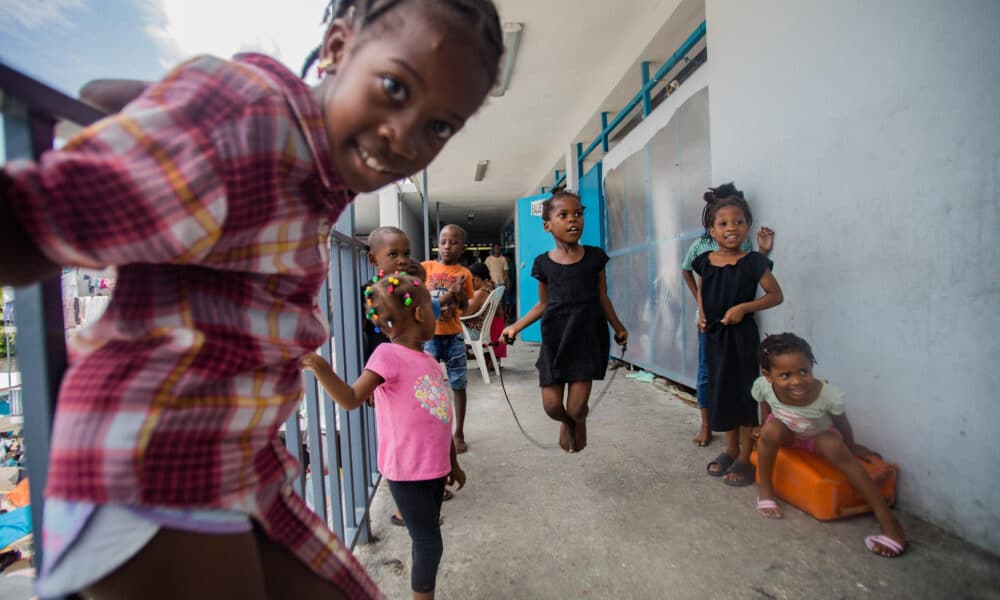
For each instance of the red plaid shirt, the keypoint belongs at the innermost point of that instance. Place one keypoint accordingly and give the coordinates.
(214, 194)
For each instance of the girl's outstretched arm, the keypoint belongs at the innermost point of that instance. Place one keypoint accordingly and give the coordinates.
(348, 397)
(772, 297)
(22, 261)
(621, 334)
(531, 316)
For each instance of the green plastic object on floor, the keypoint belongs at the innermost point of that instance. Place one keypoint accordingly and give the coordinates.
(643, 376)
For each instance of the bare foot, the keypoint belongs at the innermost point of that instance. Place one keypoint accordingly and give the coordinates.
(565, 438)
(580, 435)
(460, 445)
(703, 438)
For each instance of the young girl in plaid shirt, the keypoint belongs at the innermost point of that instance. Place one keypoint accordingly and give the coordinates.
(214, 193)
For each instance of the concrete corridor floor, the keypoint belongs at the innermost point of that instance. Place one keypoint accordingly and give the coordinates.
(635, 516)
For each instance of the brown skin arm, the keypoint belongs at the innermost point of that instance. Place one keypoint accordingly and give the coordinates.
(457, 476)
(621, 334)
(702, 323)
(531, 316)
(772, 297)
(348, 397)
(111, 95)
(690, 281)
(22, 263)
(844, 426)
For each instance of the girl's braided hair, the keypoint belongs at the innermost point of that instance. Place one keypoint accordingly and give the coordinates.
(481, 15)
(387, 296)
(782, 343)
(718, 197)
(557, 192)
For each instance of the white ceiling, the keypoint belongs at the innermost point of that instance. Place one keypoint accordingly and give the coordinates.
(576, 58)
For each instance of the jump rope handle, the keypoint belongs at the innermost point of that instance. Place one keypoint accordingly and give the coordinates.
(508, 340)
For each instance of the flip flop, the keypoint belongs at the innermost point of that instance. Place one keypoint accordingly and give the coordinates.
(745, 471)
(895, 547)
(724, 461)
(447, 495)
(763, 505)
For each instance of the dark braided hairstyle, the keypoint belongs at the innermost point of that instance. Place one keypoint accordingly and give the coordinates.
(557, 192)
(718, 197)
(481, 15)
(782, 343)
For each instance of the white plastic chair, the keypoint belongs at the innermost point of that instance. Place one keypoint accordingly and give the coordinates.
(481, 338)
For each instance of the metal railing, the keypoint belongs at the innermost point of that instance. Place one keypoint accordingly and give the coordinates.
(334, 443)
(644, 98)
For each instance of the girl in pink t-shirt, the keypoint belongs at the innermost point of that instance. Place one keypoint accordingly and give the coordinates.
(416, 453)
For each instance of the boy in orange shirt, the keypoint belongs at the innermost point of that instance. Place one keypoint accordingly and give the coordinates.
(448, 344)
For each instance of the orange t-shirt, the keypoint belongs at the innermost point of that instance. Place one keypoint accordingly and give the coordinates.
(440, 278)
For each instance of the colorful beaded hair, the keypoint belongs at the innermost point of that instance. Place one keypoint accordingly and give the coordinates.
(392, 282)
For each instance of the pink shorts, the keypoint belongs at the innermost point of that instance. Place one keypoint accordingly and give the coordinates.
(806, 443)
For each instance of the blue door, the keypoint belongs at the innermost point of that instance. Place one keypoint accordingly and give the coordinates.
(532, 240)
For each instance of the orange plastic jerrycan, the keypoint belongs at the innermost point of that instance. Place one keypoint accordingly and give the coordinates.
(810, 483)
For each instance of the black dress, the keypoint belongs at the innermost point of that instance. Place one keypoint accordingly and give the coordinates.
(575, 340)
(731, 349)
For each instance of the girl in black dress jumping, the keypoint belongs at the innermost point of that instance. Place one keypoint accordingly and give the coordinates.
(574, 306)
(727, 301)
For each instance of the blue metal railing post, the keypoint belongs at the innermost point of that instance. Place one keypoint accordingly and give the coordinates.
(604, 132)
(674, 59)
(646, 105)
(41, 346)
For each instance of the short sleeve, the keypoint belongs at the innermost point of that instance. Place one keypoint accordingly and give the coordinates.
(537, 271)
(142, 186)
(700, 262)
(758, 264)
(833, 399)
(381, 362)
(600, 256)
(692, 253)
(761, 390)
(469, 290)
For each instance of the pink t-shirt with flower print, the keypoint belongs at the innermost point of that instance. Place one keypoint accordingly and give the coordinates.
(413, 414)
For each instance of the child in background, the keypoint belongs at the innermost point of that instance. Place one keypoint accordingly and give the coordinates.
(165, 436)
(800, 411)
(727, 302)
(705, 243)
(483, 286)
(416, 453)
(388, 252)
(574, 307)
(448, 344)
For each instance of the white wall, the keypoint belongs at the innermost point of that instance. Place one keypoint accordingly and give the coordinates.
(867, 134)
(392, 211)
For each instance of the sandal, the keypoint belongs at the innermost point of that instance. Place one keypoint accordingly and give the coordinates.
(744, 471)
(768, 505)
(894, 547)
(724, 461)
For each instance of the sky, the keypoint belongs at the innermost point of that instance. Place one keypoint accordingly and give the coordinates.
(65, 43)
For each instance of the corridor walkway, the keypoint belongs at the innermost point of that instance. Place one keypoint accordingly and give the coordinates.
(635, 516)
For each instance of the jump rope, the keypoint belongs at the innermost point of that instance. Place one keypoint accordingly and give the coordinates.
(592, 406)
